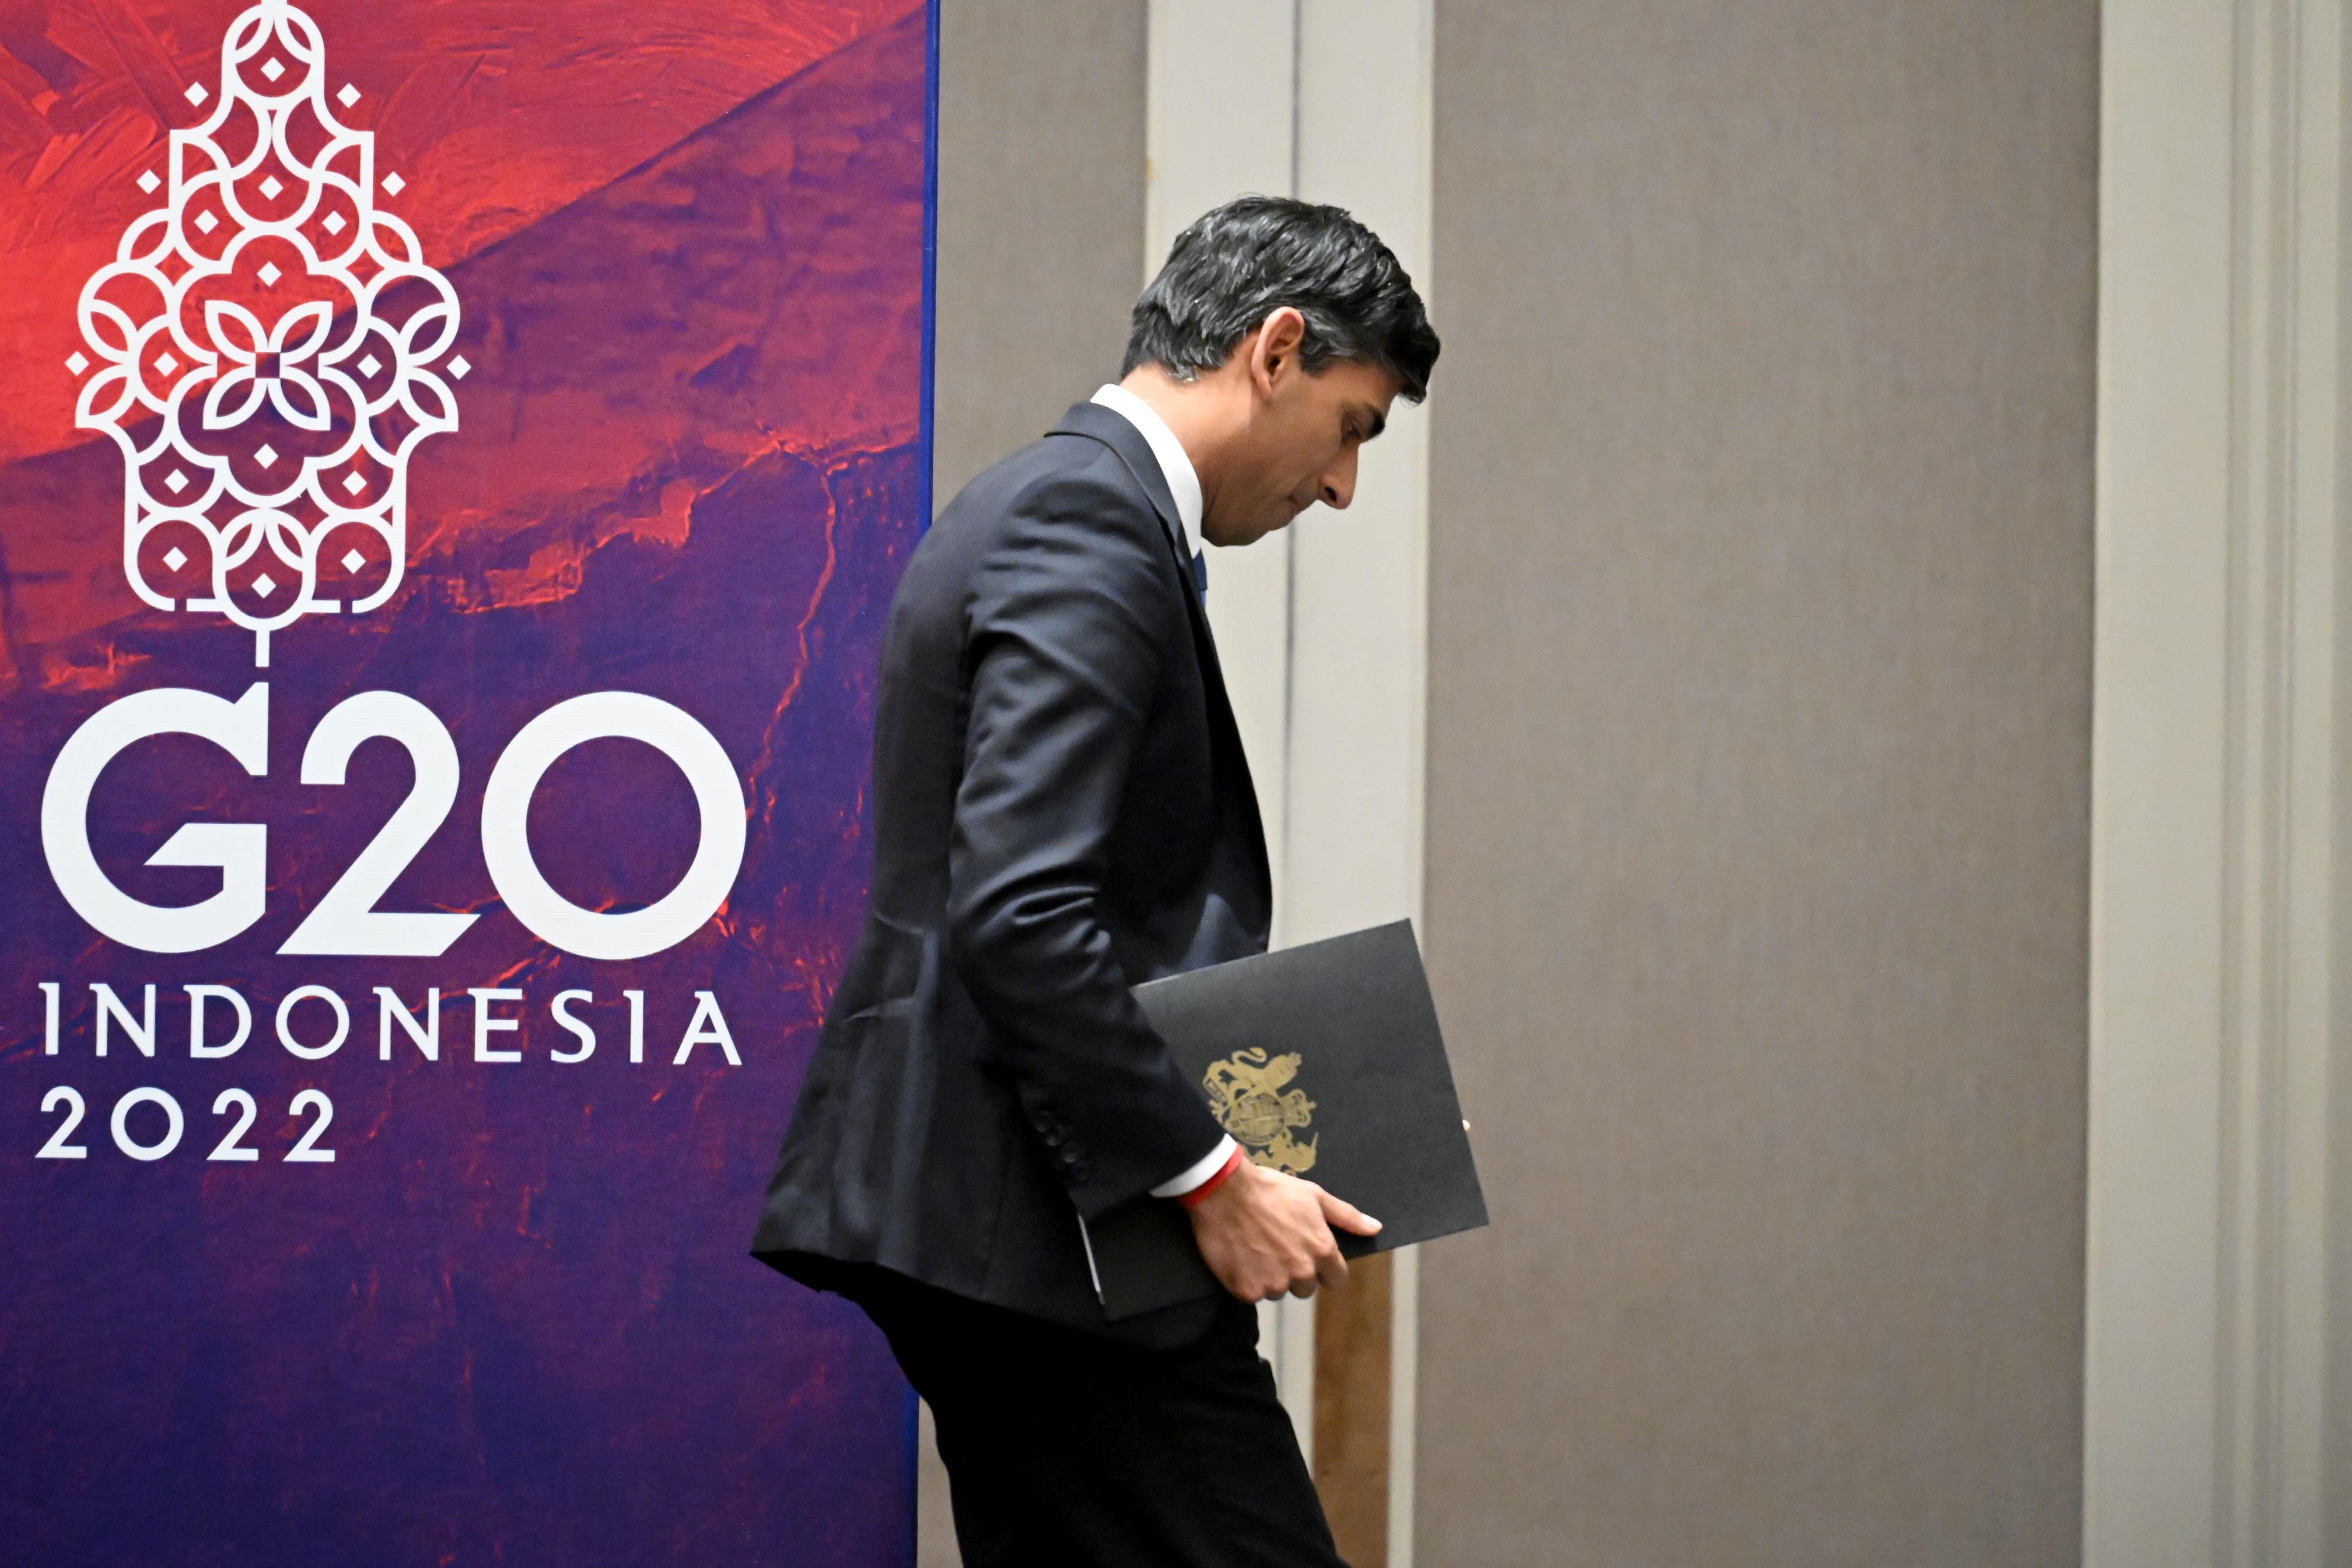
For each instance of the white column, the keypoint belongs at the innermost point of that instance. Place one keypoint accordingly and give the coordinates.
(1322, 630)
(1218, 124)
(1221, 123)
(1360, 578)
(2218, 1328)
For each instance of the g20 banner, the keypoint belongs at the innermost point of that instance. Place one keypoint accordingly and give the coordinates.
(455, 459)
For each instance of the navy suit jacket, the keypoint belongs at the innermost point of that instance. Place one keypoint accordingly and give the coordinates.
(1061, 810)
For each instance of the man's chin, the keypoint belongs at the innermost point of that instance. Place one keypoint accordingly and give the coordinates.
(1227, 532)
(1247, 533)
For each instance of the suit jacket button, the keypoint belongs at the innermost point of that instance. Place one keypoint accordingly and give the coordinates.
(1080, 1170)
(1053, 1137)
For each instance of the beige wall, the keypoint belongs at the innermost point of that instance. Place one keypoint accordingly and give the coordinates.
(1761, 504)
(1041, 217)
(1040, 258)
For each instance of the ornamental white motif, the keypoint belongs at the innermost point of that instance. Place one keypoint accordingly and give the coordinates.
(267, 310)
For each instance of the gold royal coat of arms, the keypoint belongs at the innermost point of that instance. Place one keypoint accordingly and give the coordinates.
(1250, 1095)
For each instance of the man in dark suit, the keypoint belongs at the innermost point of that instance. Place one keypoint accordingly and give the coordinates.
(1061, 811)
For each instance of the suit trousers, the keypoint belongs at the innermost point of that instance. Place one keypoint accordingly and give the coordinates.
(1065, 1449)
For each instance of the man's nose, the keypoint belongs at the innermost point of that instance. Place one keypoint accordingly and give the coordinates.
(1339, 483)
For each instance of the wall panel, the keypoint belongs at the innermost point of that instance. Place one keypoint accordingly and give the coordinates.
(1761, 489)
(1041, 217)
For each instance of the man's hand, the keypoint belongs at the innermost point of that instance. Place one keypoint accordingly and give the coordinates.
(1264, 1234)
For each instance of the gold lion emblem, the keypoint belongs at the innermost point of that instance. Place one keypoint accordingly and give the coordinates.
(1247, 1092)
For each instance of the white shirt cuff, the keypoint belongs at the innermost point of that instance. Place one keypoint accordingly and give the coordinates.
(1192, 1175)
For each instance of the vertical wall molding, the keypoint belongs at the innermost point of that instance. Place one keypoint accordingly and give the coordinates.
(2215, 1430)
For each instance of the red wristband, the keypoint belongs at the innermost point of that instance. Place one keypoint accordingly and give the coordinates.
(1224, 1172)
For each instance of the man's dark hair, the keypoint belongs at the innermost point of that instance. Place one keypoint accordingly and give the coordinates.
(1239, 263)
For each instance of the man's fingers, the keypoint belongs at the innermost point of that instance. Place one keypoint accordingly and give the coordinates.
(1347, 1215)
(1292, 1232)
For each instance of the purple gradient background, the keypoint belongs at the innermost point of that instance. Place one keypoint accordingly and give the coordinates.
(514, 1322)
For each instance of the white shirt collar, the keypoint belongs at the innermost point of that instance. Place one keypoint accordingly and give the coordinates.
(1174, 466)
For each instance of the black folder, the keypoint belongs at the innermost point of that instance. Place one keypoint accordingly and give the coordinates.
(1324, 1060)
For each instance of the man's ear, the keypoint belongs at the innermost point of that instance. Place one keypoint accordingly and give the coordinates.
(1274, 347)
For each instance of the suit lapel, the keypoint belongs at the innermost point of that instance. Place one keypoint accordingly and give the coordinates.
(1112, 429)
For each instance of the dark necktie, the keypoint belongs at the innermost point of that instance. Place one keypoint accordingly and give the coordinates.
(1201, 572)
